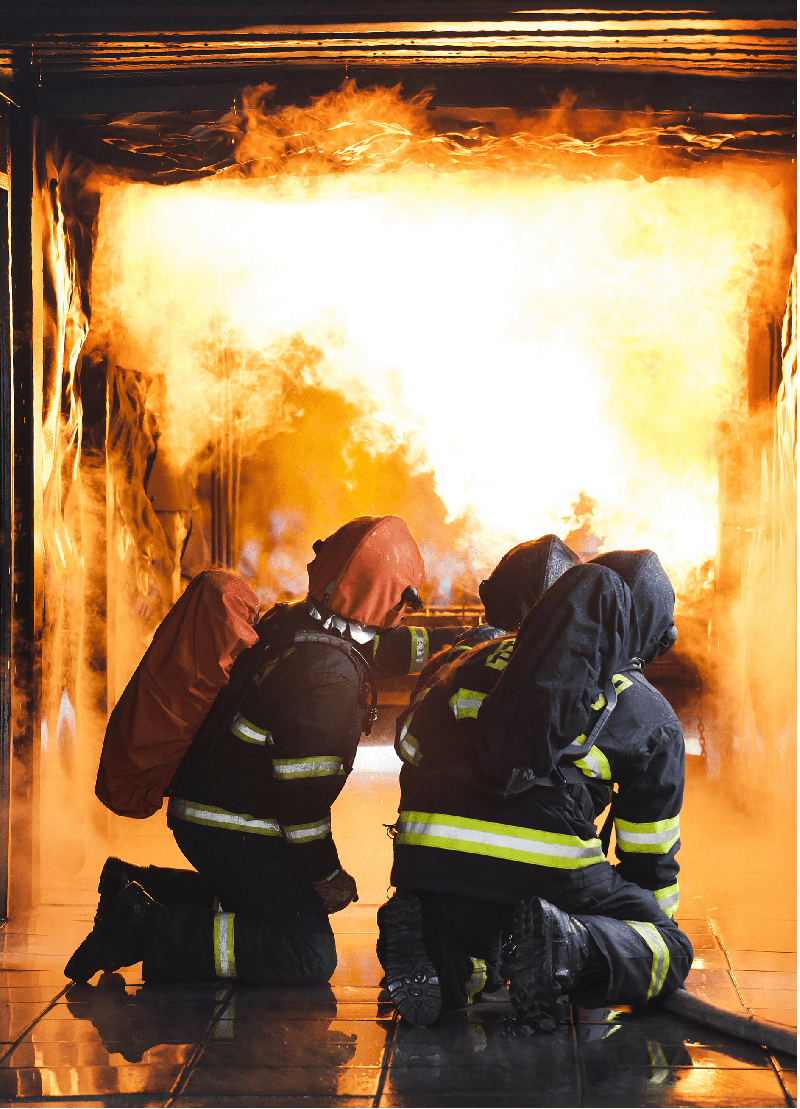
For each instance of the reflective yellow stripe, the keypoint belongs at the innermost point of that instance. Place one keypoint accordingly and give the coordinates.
(375, 647)
(668, 899)
(599, 703)
(595, 765)
(501, 656)
(477, 980)
(657, 838)
(315, 766)
(500, 841)
(304, 833)
(420, 649)
(406, 746)
(659, 1064)
(621, 683)
(652, 937)
(214, 817)
(224, 958)
(466, 703)
(249, 732)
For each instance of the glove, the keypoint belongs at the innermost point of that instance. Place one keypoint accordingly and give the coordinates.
(336, 891)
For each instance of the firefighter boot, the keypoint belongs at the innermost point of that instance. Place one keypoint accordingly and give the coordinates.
(114, 877)
(411, 977)
(553, 951)
(118, 940)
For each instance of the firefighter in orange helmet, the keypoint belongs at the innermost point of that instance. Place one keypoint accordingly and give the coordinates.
(252, 813)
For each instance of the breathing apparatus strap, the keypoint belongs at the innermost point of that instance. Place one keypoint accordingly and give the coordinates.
(522, 777)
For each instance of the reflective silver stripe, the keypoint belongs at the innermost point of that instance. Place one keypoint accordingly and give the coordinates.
(466, 703)
(224, 957)
(659, 950)
(221, 818)
(409, 750)
(420, 649)
(656, 838)
(302, 833)
(320, 766)
(244, 729)
(668, 899)
(502, 841)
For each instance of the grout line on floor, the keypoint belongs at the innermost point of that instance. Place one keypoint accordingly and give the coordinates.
(387, 1052)
(189, 1065)
(728, 960)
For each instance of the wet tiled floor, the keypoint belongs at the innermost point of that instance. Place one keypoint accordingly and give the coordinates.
(117, 1041)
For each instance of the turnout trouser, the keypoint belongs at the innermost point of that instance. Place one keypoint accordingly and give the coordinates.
(270, 928)
(643, 950)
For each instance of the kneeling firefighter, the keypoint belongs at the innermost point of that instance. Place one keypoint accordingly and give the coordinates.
(509, 758)
(251, 810)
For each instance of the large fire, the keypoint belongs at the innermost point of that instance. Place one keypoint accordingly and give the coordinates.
(529, 336)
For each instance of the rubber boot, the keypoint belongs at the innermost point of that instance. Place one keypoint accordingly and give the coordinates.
(411, 978)
(118, 940)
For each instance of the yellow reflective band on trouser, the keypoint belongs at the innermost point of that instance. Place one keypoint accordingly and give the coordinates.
(660, 952)
(500, 841)
(214, 817)
(657, 838)
(224, 958)
(249, 732)
(315, 766)
(420, 649)
(223, 1030)
(466, 703)
(668, 898)
(304, 833)
(501, 656)
(595, 765)
(477, 979)
(659, 1064)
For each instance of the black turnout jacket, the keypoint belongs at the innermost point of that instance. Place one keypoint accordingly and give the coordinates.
(463, 829)
(289, 750)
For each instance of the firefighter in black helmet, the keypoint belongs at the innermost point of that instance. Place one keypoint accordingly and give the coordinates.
(509, 759)
(513, 587)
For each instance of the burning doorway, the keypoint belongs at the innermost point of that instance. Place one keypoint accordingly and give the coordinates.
(495, 323)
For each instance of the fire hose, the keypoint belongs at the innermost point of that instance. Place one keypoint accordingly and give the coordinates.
(764, 1032)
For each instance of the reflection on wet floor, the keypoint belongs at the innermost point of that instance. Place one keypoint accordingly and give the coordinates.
(120, 1042)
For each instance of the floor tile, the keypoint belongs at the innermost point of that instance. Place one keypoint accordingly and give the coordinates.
(765, 935)
(765, 980)
(772, 999)
(94, 1055)
(223, 1101)
(748, 959)
(682, 1086)
(786, 1017)
(86, 1081)
(308, 1082)
(297, 1044)
(538, 1084)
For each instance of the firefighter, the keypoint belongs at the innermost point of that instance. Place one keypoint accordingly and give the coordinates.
(509, 759)
(516, 583)
(252, 814)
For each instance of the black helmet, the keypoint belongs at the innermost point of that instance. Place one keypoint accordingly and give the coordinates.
(521, 577)
(653, 600)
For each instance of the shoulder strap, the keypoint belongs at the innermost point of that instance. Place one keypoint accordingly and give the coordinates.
(368, 696)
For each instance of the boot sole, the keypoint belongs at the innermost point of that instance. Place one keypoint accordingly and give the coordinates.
(533, 988)
(411, 977)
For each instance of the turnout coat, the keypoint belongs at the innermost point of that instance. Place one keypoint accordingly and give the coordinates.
(516, 712)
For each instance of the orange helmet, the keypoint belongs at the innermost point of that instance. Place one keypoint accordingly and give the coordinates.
(369, 571)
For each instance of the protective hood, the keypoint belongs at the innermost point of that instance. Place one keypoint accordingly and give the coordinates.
(653, 601)
(521, 577)
(570, 644)
(363, 569)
